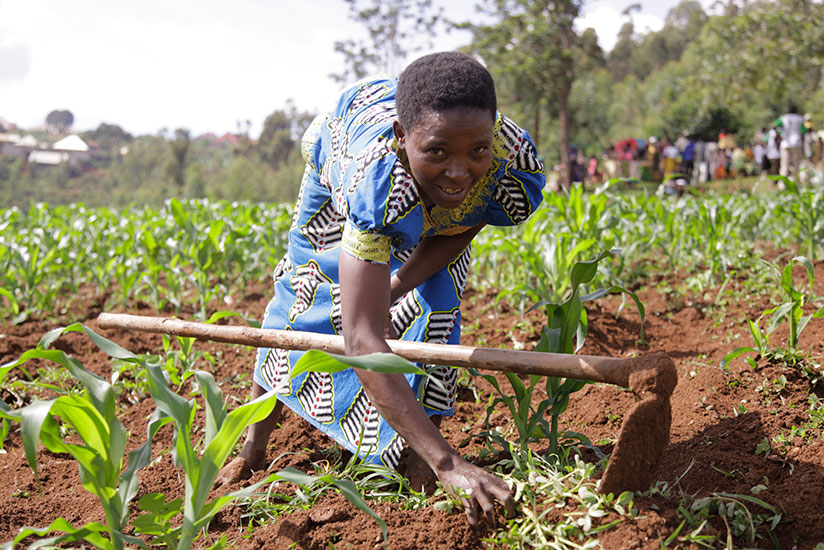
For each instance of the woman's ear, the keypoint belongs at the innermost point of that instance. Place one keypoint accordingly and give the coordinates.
(400, 134)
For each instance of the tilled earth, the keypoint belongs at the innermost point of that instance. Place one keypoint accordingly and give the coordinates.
(719, 419)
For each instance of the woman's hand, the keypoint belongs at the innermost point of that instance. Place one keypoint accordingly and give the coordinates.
(477, 489)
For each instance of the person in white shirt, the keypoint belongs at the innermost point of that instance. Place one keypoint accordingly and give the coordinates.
(773, 151)
(758, 153)
(791, 126)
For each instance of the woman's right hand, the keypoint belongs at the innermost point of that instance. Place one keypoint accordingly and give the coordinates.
(477, 489)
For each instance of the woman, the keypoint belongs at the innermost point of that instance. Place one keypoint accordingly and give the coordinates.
(399, 178)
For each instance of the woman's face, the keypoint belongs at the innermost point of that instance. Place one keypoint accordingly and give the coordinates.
(449, 152)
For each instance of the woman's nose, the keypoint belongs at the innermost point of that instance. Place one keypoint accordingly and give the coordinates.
(458, 172)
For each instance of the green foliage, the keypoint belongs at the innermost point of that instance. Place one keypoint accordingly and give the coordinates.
(168, 257)
(100, 456)
(544, 493)
(176, 166)
(60, 121)
(808, 209)
(790, 311)
(109, 137)
(565, 332)
(533, 49)
(320, 361)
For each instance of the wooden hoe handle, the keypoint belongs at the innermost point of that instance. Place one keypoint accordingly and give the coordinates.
(582, 367)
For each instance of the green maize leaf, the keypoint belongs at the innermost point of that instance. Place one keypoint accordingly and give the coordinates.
(537, 419)
(224, 441)
(89, 423)
(351, 493)
(32, 418)
(140, 458)
(808, 265)
(182, 218)
(110, 348)
(488, 377)
(5, 425)
(788, 183)
(735, 353)
(762, 341)
(180, 410)
(218, 315)
(517, 385)
(91, 533)
(801, 324)
(215, 411)
(320, 361)
(779, 315)
(615, 289)
(14, 305)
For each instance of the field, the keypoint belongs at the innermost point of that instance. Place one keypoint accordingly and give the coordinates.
(727, 291)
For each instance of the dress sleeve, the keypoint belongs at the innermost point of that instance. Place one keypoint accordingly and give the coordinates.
(383, 208)
(521, 177)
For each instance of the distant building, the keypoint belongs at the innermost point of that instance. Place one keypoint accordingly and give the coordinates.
(71, 149)
(16, 146)
(48, 158)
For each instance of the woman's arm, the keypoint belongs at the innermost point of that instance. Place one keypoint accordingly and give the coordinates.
(365, 292)
(429, 257)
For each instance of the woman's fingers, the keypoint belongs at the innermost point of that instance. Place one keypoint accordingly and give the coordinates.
(487, 506)
(471, 509)
(480, 490)
(501, 491)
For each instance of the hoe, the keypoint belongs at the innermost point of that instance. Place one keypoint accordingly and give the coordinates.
(644, 435)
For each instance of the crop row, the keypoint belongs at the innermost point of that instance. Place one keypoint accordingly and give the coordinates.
(186, 253)
(189, 253)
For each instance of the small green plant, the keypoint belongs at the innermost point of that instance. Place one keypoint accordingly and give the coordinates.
(565, 332)
(740, 521)
(201, 461)
(100, 456)
(790, 311)
(808, 210)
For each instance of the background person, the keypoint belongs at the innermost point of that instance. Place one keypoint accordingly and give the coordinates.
(773, 151)
(791, 126)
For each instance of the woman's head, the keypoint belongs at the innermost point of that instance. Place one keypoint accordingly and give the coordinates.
(446, 117)
(443, 81)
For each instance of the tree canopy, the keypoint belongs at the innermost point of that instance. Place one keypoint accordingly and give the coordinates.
(59, 121)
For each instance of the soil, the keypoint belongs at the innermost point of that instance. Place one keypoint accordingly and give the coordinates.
(719, 418)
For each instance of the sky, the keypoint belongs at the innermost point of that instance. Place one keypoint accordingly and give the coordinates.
(204, 65)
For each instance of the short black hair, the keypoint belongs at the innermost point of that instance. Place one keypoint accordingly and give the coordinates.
(442, 81)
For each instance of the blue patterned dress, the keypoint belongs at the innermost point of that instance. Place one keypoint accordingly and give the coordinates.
(357, 196)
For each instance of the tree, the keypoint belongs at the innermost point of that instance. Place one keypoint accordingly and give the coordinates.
(176, 169)
(395, 29)
(533, 45)
(59, 121)
(619, 59)
(108, 136)
(757, 62)
(281, 131)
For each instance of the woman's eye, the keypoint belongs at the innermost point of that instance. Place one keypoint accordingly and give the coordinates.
(480, 150)
(436, 152)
